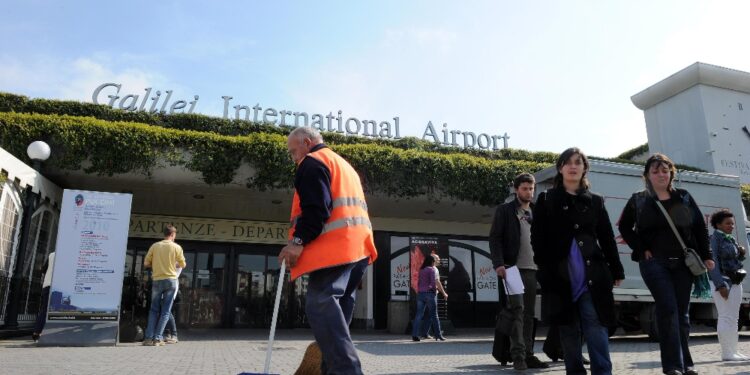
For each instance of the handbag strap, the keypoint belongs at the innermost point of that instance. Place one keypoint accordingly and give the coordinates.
(671, 224)
(507, 293)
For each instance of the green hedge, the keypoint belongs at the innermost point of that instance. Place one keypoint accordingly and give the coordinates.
(111, 147)
(745, 190)
(22, 104)
(633, 152)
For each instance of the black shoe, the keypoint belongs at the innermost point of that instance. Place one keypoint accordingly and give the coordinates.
(519, 365)
(690, 371)
(534, 362)
(674, 372)
(35, 336)
(439, 338)
(415, 338)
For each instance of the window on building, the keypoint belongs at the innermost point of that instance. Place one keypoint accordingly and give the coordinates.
(41, 239)
(11, 211)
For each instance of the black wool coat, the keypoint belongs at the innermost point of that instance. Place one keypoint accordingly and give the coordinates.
(559, 219)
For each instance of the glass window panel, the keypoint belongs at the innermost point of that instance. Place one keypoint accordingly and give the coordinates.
(10, 215)
(249, 306)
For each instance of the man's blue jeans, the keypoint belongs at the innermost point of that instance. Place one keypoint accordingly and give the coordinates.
(597, 340)
(329, 307)
(162, 296)
(670, 282)
(426, 300)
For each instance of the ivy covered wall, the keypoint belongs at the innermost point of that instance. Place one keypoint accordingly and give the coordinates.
(105, 141)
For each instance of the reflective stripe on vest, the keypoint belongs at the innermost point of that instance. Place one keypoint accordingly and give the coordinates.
(349, 201)
(346, 236)
(340, 202)
(346, 222)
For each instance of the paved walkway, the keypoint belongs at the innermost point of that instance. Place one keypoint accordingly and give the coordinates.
(235, 351)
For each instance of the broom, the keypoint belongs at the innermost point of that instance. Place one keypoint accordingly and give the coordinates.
(310, 361)
(269, 350)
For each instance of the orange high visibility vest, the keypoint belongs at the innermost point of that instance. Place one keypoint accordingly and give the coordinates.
(347, 234)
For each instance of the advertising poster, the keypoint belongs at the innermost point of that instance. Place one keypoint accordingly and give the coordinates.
(91, 243)
(400, 269)
(419, 249)
(485, 277)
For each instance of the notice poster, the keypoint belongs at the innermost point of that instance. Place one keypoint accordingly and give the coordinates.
(91, 243)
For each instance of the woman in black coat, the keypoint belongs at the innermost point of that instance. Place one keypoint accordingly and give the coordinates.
(575, 250)
(660, 256)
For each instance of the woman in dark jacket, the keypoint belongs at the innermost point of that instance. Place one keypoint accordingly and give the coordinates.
(661, 258)
(575, 250)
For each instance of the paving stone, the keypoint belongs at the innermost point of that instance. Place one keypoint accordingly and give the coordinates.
(234, 351)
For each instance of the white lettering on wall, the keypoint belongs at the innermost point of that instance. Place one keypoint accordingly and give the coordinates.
(151, 101)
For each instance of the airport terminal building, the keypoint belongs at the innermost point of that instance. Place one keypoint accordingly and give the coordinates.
(232, 232)
(226, 186)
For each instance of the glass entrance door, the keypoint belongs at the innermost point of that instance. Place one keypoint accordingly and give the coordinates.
(256, 270)
(208, 292)
(249, 291)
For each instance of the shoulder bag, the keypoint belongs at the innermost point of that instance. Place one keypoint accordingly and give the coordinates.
(692, 260)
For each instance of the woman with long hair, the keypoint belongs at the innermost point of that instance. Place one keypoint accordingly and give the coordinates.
(660, 255)
(575, 250)
(428, 286)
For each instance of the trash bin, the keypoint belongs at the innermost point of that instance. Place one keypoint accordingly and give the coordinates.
(398, 316)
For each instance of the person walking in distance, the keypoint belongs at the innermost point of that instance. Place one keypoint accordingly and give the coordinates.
(162, 258)
(331, 240)
(428, 286)
(510, 244)
(41, 318)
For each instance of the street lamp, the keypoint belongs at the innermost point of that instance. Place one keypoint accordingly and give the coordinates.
(38, 152)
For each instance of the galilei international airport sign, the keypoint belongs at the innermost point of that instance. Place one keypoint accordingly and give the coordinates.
(156, 101)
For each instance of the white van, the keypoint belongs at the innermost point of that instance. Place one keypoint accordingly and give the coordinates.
(616, 182)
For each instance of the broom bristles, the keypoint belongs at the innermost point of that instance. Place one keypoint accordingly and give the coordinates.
(310, 361)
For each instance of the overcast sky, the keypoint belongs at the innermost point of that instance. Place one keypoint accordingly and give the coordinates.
(551, 74)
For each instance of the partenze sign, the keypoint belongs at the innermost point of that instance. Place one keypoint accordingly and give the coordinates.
(202, 229)
(154, 102)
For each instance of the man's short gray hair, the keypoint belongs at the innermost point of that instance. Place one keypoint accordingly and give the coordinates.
(303, 132)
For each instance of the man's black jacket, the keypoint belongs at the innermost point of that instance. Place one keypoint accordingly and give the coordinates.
(505, 235)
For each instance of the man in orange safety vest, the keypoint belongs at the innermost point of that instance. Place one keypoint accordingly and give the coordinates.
(330, 239)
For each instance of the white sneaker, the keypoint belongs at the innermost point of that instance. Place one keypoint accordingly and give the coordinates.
(733, 357)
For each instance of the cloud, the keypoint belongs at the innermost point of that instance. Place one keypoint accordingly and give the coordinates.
(75, 79)
(424, 38)
(393, 78)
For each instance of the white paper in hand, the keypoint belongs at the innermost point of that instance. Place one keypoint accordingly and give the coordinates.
(512, 281)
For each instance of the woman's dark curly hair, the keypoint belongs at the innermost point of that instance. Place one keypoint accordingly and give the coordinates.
(719, 216)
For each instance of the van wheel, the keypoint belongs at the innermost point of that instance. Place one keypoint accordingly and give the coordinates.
(648, 322)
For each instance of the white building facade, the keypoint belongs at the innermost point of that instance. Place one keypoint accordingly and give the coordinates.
(700, 116)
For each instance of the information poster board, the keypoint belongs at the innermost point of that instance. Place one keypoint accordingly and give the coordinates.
(87, 275)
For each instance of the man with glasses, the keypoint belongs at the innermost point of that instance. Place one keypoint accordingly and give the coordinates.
(510, 244)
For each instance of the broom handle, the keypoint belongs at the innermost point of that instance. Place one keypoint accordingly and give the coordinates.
(282, 273)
